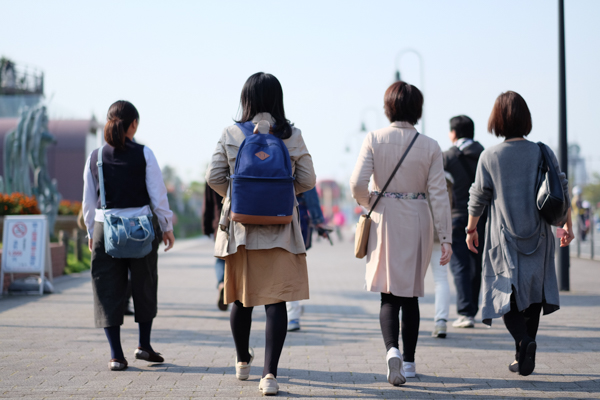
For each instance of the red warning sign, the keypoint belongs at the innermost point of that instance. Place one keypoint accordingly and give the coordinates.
(19, 230)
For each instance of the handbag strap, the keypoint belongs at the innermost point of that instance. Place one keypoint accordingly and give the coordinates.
(101, 178)
(380, 195)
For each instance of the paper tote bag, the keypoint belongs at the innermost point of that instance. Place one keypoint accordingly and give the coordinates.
(363, 227)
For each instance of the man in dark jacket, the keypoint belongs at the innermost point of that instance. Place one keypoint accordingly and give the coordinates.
(460, 161)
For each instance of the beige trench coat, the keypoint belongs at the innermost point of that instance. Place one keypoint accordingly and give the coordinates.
(232, 234)
(401, 236)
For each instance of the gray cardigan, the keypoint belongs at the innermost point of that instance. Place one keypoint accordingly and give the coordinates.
(519, 244)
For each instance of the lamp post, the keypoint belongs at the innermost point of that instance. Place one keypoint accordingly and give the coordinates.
(401, 54)
(563, 252)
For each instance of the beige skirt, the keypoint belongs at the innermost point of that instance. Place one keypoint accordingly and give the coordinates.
(259, 277)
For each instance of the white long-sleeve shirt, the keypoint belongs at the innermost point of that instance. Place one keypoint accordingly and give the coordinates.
(156, 190)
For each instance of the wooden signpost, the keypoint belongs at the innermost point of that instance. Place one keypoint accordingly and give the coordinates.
(26, 247)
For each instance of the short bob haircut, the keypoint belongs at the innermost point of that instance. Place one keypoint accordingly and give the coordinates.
(510, 116)
(463, 126)
(263, 93)
(403, 102)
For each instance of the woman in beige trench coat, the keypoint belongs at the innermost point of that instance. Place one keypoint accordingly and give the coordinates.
(264, 264)
(401, 235)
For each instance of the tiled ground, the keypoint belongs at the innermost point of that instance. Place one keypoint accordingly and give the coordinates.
(49, 347)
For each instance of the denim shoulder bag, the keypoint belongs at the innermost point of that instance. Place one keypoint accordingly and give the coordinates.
(124, 237)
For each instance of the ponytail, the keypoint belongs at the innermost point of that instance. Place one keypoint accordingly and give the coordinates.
(121, 115)
(114, 133)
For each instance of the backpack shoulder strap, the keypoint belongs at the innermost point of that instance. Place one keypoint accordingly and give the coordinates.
(247, 128)
(101, 179)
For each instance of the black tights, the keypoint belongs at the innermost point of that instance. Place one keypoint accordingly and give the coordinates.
(275, 332)
(390, 324)
(522, 324)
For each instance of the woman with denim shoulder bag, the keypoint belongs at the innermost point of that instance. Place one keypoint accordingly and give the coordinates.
(124, 184)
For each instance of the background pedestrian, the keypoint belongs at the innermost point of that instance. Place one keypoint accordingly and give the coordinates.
(211, 213)
(310, 216)
(460, 161)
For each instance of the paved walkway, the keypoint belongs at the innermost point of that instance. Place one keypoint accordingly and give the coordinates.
(49, 347)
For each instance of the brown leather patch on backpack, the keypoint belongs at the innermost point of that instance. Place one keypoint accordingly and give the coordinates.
(262, 155)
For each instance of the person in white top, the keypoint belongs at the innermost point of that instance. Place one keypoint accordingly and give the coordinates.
(134, 187)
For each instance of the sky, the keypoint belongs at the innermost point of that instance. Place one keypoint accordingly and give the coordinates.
(183, 65)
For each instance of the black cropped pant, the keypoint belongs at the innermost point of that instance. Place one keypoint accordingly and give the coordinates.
(522, 324)
(390, 323)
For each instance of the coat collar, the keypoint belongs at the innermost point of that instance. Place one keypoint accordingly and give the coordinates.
(403, 124)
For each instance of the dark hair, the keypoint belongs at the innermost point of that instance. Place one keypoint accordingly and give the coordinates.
(120, 116)
(263, 93)
(463, 126)
(510, 116)
(403, 102)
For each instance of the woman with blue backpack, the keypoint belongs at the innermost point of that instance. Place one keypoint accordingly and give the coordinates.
(259, 166)
(123, 187)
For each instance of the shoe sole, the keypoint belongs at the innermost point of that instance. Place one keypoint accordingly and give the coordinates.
(395, 376)
(464, 326)
(243, 377)
(269, 391)
(439, 335)
(528, 363)
(293, 329)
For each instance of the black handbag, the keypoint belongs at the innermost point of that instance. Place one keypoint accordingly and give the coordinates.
(550, 199)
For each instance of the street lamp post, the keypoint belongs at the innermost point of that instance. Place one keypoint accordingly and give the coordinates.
(422, 78)
(563, 252)
(363, 124)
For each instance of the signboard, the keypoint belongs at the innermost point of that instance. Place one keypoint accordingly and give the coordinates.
(26, 247)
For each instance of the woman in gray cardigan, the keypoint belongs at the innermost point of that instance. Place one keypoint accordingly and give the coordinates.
(518, 268)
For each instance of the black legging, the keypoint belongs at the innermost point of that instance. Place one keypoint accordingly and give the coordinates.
(522, 324)
(390, 324)
(275, 332)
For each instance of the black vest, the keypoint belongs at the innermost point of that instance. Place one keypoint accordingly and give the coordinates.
(124, 176)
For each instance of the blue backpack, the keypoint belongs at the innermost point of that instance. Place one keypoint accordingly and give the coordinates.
(262, 189)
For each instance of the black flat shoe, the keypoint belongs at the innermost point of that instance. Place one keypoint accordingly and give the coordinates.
(527, 356)
(514, 367)
(117, 365)
(148, 355)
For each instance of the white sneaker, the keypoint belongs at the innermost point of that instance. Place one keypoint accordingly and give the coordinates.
(395, 374)
(293, 325)
(464, 322)
(268, 385)
(410, 369)
(242, 371)
(440, 329)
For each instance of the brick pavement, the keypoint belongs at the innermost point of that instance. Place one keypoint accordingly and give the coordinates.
(49, 347)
